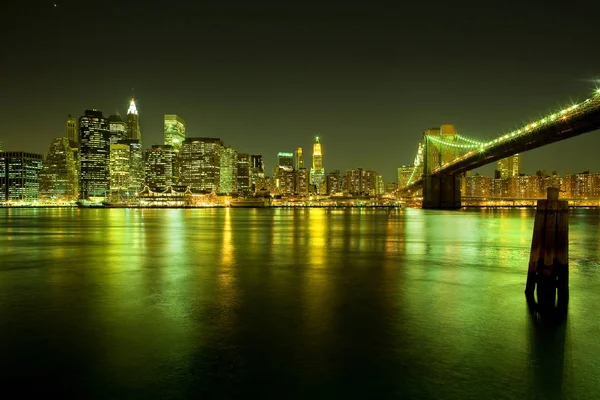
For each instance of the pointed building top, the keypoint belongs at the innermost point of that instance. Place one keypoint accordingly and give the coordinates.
(132, 109)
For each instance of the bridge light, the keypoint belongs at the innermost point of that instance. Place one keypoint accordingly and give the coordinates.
(534, 125)
(598, 91)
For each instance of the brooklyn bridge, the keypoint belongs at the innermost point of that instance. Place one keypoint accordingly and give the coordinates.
(444, 155)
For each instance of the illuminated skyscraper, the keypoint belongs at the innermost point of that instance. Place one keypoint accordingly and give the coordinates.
(379, 185)
(228, 172)
(285, 161)
(120, 165)
(137, 169)
(71, 132)
(159, 166)
(58, 178)
(298, 159)
(133, 123)
(510, 166)
(19, 175)
(243, 174)
(201, 163)
(174, 131)
(257, 171)
(334, 183)
(317, 172)
(94, 136)
(118, 128)
(302, 182)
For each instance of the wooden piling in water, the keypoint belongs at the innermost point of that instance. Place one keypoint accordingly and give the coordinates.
(549, 256)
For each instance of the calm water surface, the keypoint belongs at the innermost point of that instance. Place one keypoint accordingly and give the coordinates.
(276, 303)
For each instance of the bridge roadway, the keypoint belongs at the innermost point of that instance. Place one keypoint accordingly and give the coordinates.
(573, 121)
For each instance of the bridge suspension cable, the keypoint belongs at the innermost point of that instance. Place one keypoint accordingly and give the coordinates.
(468, 145)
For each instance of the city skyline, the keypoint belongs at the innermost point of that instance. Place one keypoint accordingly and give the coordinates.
(348, 75)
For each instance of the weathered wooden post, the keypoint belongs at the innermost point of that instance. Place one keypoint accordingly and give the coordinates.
(549, 257)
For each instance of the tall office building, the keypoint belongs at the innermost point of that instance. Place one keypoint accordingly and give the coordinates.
(298, 159)
(94, 136)
(285, 161)
(174, 131)
(71, 132)
(133, 123)
(201, 163)
(58, 178)
(334, 183)
(510, 166)
(117, 128)
(243, 174)
(19, 175)
(317, 172)
(137, 170)
(257, 171)
(120, 169)
(159, 166)
(302, 182)
(379, 185)
(257, 162)
(228, 170)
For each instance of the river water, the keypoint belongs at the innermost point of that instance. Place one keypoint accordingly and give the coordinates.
(285, 303)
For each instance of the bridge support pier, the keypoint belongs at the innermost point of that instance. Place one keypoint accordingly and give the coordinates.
(441, 191)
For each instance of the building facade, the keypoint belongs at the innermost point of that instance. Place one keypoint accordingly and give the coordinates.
(244, 186)
(159, 166)
(19, 175)
(71, 130)
(228, 170)
(174, 131)
(298, 159)
(317, 172)
(201, 163)
(133, 123)
(58, 178)
(117, 128)
(510, 166)
(94, 151)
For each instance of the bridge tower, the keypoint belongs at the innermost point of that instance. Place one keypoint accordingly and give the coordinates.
(441, 145)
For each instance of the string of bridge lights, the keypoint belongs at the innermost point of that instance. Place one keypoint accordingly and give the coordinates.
(527, 129)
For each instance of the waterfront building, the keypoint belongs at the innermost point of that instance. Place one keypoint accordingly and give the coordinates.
(334, 183)
(243, 174)
(133, 123)
(94, 136)
(19, 175)
(578, 186)
(478, 186)
(58, 177)
(71, 131)
(117, 128)
(159, 166)
(298, 159)
(510, 166)
(285, 161)
(120, 168)
(317, 172)
(228, 170)
(201, 163)
(302, 182)
(174, 131)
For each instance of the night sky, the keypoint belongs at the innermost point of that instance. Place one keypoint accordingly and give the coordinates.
(266, 77)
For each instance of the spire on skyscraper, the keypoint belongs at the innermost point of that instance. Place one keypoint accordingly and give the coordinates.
(132, 109)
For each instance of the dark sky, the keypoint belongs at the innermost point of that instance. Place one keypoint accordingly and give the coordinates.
(369, 79)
